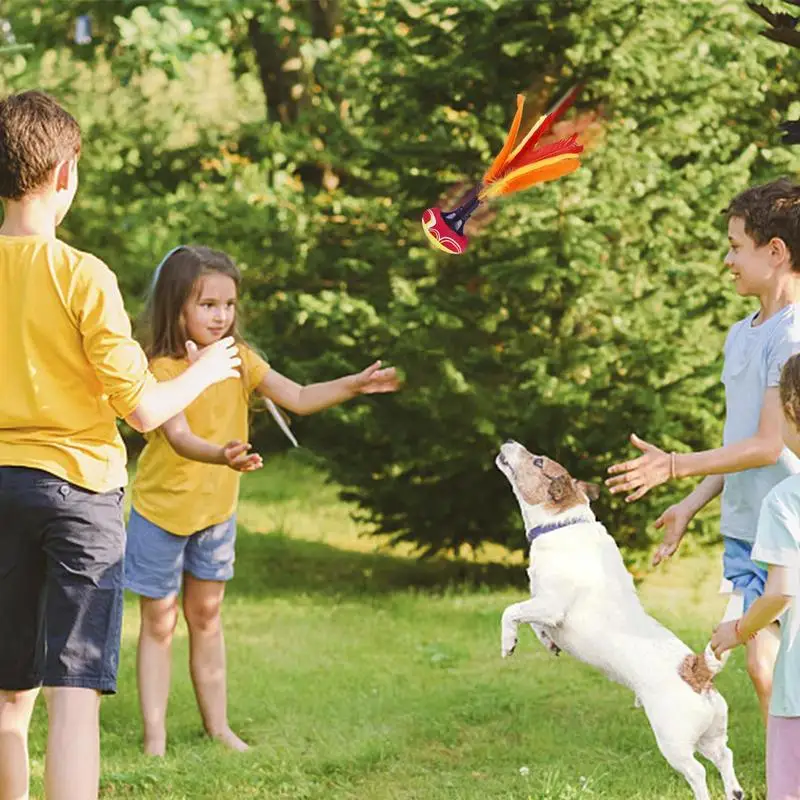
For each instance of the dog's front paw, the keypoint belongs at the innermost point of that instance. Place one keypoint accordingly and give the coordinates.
(509, 644)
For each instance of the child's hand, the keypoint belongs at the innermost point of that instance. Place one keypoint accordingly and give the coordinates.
(642, 474)
(725, 638)
(675, 520)
(237, 457)
(374, 380)
(219, 360)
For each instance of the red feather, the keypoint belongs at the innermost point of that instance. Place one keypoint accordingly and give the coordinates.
(525, 157)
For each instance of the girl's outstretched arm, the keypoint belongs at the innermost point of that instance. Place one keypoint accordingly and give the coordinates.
(316, 396)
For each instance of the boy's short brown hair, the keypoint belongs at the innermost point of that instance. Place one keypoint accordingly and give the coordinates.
(789, 388)
(771, 211)
(35, 135)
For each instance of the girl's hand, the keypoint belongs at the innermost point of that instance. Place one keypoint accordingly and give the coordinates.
(236, 457)
(374, 380)
(675, 520)
(724, 638)
(643, 473)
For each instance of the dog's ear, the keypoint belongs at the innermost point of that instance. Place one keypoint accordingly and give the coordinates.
(560, 488)
(591, 490)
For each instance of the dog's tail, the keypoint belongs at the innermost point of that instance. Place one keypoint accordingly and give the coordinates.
(699, 670)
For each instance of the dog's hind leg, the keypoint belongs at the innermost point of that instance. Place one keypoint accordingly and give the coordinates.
(720, 755)
(676, 739)
(682, 759)
(713, 745)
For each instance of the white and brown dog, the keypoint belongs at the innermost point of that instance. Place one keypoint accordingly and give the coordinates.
(583, 601)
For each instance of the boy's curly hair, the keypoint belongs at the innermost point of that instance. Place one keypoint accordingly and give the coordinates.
(36, 134)
(789, 388)
(771, 211)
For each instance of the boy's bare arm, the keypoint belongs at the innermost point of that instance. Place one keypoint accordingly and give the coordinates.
(759, 450)
(656, 466)
(675, 520)
(160, 401)
(710, 487)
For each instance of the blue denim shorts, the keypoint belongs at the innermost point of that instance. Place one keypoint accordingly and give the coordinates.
(61, 551)
(155, 559)
(740, 573)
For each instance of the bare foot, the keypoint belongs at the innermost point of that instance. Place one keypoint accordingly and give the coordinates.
(156, 746)
(231, 740)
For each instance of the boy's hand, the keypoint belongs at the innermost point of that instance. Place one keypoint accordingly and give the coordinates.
(237, 457)
(641, 474)
(675, 520)
(219, 360)
(374, 380)
(725, 638)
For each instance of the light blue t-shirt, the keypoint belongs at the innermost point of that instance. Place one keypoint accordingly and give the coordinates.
(754, 357)
(778, 544)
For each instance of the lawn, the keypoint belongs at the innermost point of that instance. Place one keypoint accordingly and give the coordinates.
(357, 672)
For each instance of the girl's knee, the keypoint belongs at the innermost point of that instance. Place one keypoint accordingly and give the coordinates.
(203, 617)
(159, 619)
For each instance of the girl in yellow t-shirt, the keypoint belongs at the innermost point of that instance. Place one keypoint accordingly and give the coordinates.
(182, 526)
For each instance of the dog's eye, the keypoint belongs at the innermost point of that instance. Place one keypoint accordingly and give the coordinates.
(538, 462)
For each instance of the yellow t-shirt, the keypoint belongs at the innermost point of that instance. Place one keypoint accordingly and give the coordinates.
(70, 363)
(183, 496)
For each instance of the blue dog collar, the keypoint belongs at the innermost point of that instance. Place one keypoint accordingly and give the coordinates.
(538, 530)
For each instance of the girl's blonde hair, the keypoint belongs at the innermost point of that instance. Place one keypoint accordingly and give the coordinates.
(162, 327)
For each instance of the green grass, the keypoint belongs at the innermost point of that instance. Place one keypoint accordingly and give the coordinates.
(357, 673)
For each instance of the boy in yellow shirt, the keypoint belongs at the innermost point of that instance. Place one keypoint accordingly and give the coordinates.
(71, 367)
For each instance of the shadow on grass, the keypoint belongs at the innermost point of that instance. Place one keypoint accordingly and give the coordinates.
(270, 564)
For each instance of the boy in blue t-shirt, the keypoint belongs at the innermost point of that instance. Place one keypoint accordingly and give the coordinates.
(764, 261)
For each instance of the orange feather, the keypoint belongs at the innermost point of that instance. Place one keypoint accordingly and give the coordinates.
(531, 174)
(500, 160)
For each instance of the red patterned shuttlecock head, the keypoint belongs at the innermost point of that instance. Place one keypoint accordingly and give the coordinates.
(440, 234)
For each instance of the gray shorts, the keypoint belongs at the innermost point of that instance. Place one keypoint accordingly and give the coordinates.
(155, 559)
(61, 550)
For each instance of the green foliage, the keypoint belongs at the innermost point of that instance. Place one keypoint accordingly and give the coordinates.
(307, 138)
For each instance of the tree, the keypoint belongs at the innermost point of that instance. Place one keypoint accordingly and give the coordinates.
(306, 139)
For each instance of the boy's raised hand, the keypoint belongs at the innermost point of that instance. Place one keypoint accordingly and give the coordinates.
(238, 457)
(641, 474)
(675, 520)
(219, 360)
(374, 380)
